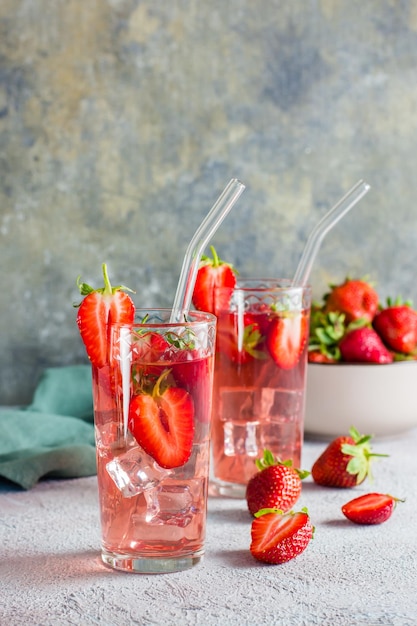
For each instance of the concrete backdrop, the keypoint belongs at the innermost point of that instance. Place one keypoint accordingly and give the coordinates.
(122, 120)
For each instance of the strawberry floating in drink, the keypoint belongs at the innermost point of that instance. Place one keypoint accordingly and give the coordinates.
(280, 537)
(163, 423)
(286, 339)
(98, 309)
(371, 508)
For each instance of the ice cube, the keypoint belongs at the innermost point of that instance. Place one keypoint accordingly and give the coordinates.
(135, 472)
(172, 504)
(240, 438)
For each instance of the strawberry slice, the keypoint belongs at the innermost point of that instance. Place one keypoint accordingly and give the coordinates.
(286, 339)
(240, 345)
(371, 508)
(97, 310)
(213, 273)
(278, 537)
(163, 423)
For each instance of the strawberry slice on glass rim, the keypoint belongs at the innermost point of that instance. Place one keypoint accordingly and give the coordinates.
(98, 309)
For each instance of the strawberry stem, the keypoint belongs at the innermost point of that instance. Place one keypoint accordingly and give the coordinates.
(107, 285)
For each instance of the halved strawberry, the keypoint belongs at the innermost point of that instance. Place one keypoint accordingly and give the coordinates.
(213, 274)
(163, 423)
(371, 508)
(97, 310)
(278, 537)
(286, 338)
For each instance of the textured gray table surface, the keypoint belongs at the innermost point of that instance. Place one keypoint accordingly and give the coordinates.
(51, 573)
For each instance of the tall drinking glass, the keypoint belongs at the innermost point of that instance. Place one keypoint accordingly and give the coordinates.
(152, 408)
(260, 378)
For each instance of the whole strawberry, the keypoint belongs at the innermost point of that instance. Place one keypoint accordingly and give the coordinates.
(357, 299)
(213, 274)
(277, 485)
(397, 326)
(371, 508)
(363, 345)
(279, 537)
(346, 462)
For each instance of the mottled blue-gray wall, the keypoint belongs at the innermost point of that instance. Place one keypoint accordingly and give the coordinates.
(122, 120)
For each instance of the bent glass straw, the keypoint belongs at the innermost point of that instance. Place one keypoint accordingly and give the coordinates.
(203, 234)
(317, 235)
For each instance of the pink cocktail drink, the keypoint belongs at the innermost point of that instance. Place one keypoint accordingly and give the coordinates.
(152, 406)
(260, 379)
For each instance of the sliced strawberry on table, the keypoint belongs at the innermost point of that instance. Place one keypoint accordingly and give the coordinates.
(213, 273)
(97, 310)
(363, 345)
(279, 537)
(345, 462)
(396, 324)
(371, 508)
(286, 338)
(277, 485)
(355, 298)
(163, 423)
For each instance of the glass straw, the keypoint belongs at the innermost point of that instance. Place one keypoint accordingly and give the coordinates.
(320, 231)
(203, 234)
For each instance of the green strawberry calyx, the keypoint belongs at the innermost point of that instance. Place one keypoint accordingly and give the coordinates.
(268, 460)
(216, 261)
(360, 451)
(107, 290)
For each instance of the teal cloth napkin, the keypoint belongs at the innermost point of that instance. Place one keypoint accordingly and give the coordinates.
(54, 436)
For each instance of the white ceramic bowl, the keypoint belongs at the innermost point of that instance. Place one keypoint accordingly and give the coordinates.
(379, 400)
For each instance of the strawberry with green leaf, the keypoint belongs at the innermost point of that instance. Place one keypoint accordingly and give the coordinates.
(363, 345)
(214, 284)
(355, 298)
(278, 537)
(98, 309)
(345, 462)
(162, 422)
(396, 324)
(277, 484)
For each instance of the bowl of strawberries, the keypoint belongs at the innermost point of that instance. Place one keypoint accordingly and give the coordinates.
(362, 363)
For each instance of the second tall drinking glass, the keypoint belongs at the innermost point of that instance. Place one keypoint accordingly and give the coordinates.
(260, 378)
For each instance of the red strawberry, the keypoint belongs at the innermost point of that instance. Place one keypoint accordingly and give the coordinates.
(371, 508)
(278, 537)
(363, 345)
(315, 356)
(98, 308)
(346, 461)
(286, 339)
(240, 344)
(163, 423)
(213, 274)
(355, 298)
(277, 485)
(397, 327)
